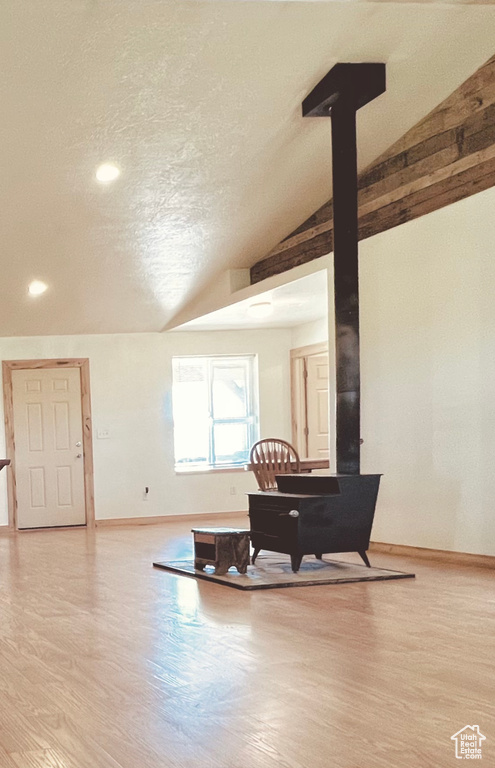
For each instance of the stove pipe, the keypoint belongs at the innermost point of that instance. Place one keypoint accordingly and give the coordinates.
(339, 95)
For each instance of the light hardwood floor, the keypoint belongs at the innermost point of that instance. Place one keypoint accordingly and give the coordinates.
(106, 662)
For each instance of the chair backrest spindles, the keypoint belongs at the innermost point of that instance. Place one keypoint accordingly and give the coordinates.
(271, 457)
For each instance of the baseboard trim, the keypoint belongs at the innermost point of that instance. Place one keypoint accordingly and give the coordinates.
(110, 522)
(443, 555)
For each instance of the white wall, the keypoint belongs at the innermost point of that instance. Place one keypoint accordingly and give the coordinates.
(310, 333)
(428, 377)
(131, 378)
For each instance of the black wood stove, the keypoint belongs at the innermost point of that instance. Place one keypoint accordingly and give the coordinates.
(314, 515)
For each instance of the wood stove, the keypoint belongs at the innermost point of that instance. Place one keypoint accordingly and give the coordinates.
(314, 515)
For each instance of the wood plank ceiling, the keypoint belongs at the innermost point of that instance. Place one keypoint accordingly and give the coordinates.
(447, 156)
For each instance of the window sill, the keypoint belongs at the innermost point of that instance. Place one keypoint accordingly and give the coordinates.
(210, 470)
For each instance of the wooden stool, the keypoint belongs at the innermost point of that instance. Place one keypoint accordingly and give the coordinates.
(221, 547)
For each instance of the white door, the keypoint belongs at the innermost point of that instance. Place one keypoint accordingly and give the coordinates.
(49, 461)
(317, 406)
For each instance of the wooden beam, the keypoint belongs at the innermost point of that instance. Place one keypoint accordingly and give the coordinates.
(446, 157)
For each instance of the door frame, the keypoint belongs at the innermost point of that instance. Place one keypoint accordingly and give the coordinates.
(8, 402)
(298, 405)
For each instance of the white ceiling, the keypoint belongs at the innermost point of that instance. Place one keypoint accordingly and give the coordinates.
(295, 303)
(199, 104)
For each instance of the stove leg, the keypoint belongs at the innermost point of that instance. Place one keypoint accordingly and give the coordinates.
(364, 558)
(255, 555)
(319, 555)
(295, 561)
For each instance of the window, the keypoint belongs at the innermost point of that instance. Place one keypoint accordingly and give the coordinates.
(215, 414)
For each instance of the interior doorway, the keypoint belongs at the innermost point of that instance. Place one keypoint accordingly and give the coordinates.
(310, 401)
(49, 441)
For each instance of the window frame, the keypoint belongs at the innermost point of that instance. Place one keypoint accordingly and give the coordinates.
(251, 420)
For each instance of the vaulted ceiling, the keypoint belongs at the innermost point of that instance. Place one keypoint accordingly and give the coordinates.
(198, 104)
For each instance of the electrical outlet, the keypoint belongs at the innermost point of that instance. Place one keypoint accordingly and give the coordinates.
(233, 490)
(146, 492)
(103, 434)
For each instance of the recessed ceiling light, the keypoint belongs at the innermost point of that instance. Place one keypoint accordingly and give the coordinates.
(261, 309)
(107, 172)
(37, 287)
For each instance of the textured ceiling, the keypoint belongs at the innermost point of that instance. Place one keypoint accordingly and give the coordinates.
(199, 104)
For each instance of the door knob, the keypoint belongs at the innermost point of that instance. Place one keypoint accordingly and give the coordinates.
(79, 456)
(78, 444)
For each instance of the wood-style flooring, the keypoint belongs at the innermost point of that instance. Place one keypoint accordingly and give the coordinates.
(106, 662)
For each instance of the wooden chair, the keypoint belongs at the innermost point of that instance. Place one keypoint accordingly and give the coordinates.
(271, 457)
